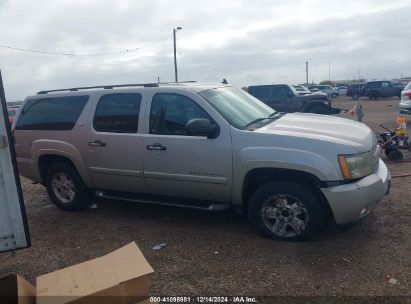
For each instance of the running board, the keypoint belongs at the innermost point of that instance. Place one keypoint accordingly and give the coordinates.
(202, 205)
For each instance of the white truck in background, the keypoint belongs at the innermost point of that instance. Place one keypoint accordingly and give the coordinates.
(14, 233)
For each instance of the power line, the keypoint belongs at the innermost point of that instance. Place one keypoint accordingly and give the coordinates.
(83, 55)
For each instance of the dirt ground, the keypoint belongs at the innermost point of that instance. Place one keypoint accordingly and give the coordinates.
(220, 254)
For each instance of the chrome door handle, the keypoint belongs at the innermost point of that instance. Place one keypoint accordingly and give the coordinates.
(156, 147)
(97, 143)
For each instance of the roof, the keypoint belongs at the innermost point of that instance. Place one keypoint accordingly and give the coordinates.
(191, 85)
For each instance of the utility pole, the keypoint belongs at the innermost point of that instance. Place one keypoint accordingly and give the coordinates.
(306, 72)
(175, 52)
(329, 69)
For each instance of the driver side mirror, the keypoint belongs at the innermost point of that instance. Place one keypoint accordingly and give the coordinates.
(290, 95)
(202, 127)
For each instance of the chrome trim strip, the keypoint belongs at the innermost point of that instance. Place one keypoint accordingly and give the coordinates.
(99, 170)
(187, 177)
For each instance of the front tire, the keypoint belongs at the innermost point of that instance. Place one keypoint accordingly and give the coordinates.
(285, 211)
(65, 187)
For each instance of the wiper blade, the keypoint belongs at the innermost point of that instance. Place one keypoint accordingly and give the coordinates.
(258, 120)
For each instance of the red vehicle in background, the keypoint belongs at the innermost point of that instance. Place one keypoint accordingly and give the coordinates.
(11, 111)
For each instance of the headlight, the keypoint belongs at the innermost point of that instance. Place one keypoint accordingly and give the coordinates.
(355, 166)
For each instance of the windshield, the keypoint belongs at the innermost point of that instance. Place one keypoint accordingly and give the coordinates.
(236, 106)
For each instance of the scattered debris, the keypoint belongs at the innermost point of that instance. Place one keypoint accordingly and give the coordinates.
(390, 279)
(160, 246)
(93, 206)
(346, 260)
(215, 252)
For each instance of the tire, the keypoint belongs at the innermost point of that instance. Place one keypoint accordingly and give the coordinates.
(355, 97)
(373, 96)
(65, 187)
(320, 110)
(284, 199)
(395, 155)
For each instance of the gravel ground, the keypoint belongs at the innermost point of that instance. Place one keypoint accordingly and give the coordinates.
(220, 254)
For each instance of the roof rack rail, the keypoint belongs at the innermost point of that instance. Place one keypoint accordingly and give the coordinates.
(107, 87)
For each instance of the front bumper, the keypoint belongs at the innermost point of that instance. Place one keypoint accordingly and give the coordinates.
(405, 107)
(351, 202)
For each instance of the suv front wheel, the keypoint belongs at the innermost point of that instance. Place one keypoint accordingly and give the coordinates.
(285, 210)
(65, 187)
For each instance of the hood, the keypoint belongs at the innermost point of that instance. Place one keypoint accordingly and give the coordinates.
(324, 127)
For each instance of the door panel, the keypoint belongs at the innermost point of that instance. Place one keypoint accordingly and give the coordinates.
(114, 148)
(186, 166)
(14, 232)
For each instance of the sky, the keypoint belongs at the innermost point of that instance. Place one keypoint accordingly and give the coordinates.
(246, 42)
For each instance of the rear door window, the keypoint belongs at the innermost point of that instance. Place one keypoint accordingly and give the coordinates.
(55, 113)
(262, 92)
(118, 113)
(280, 92)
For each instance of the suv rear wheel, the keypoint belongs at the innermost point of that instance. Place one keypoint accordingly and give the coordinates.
(285, 210)
(65, 187)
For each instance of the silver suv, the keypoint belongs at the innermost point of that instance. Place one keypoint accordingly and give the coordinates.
(201, 146)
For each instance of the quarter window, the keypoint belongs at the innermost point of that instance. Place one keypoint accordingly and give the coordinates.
(170, 113)
(117, 113)
(52, 114)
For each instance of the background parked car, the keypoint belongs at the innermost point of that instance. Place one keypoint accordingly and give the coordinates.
(284, 98)
(339, 91)
(381, 89)
(302, 90)
(11, 111)
(355, 90)
(405, 104)
(327, 89)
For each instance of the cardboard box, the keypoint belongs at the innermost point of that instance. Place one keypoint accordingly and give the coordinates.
(15, 289)
(118, 277)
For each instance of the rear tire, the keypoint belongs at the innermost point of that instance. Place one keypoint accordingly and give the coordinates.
(285, 211)
(65, 187)
(395, 155)
(320, 110)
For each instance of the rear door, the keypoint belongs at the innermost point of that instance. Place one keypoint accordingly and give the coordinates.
(114, 146)
(280, 98)
(14, 233)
